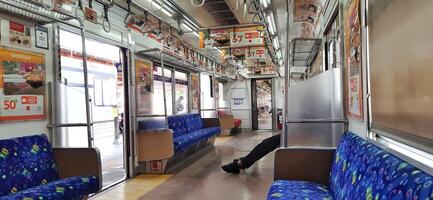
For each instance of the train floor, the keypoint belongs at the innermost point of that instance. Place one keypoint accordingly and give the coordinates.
(204, 179)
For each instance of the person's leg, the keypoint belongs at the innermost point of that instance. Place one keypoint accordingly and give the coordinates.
(259, 151)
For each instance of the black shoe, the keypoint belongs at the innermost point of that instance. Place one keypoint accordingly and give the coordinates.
(232, 167)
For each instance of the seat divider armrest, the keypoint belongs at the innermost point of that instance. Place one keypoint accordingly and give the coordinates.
(304, 164)
(78, 162)
(211, 122)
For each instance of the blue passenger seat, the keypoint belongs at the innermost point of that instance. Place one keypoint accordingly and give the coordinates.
(188, 129)
(360, 170)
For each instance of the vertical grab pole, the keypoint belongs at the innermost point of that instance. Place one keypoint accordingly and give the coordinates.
(286, 83)
(86, 87)
(163, 88)
(214, 92)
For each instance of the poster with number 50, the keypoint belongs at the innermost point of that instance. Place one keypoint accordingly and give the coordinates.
(22, 85)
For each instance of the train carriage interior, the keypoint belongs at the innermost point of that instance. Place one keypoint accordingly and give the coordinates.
(216, 99)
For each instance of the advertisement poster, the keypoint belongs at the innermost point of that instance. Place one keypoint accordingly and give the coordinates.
(22, 85)
(352, 30)
(144, 84)
(195, 89)
(90, 15)
(19, 34)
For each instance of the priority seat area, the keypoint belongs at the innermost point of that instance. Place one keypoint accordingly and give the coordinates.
(31, 169)
(163, 148)
(357, 169)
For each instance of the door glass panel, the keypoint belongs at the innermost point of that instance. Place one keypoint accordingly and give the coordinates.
(72, 100)
(105, 85)
(264, 103)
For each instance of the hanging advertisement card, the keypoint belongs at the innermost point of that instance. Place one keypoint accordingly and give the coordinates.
(136, 22)
(256, 53)
(352, 30)
(238, 53)
(22, 85)
(246, 38)
(153, 35)
(195, 90)
(65, 6)
(215, 38)
(41, 36)
(144, 84)
(19, 34)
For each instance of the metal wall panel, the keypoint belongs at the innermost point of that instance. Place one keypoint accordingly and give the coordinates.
(401, 69)
(318, 98)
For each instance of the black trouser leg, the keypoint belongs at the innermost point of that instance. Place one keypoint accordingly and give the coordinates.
(260, 150)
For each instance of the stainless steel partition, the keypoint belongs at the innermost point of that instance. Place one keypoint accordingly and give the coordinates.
(314, 112)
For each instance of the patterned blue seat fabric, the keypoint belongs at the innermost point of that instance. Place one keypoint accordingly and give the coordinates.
(28, 171)
(188, 130)
(361, 170)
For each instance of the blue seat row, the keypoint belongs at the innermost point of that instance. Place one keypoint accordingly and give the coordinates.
(28, 170)
(188, 129)
(360, 170)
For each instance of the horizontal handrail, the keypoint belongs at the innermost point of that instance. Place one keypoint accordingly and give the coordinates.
(67, 125)
(150, 116)
(210, 109)
(312, 121)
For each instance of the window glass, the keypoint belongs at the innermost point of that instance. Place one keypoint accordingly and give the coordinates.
(181, 104)
(221, 101)
(207, 100)
(158, 94)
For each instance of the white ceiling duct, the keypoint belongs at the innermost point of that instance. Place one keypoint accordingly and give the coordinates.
(198, 3)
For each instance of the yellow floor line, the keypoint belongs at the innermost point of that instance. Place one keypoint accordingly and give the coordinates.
(134, 188)
(222, 139)
(141, 185)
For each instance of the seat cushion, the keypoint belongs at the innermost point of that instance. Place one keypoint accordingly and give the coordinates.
(25, 162)
(73, 188)
(182, 142)
(193, 122)
(367, 171)
(294, 190)
(177, 124)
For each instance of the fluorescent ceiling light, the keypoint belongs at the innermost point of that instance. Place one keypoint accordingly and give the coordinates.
(186, 27)
(271, 28)
(264, 3)
(158, 6)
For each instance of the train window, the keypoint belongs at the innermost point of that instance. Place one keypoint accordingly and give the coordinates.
(207, 101)
(158, 94)
(333, 45)
(400, 72)
(181, 103)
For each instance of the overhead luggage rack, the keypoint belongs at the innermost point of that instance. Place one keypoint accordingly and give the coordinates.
(303, 51)
(34, 11)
